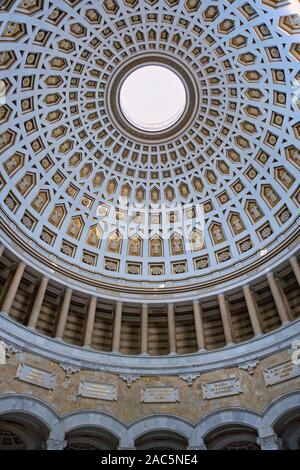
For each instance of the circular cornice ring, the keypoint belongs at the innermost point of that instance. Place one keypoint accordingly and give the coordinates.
(255, 349)
(113, 102)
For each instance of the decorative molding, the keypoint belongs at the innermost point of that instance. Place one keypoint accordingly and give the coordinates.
(249, 366)
(10, 349)
(69, 370)
(189, 378)
(129, 378)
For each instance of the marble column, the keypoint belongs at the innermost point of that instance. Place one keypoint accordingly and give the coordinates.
(296, 268)
(88, 334)
(12, 290)
(278, 296)
(116, 342)
(171, 329)
(1, 249)
(253, 310)
(144, 329)
(226, 319)
(198, 319)
(38, 301)
(60, 330)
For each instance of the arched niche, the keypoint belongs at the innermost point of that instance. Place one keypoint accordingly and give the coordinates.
(232, 437)
(22, 431)
(91, 438)
(161, 439)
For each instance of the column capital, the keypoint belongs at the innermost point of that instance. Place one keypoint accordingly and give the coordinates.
(56, 444)
(200, 447)
(270, 442)
(126, 448)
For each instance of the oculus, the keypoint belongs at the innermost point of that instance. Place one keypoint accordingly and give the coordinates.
(152, 98)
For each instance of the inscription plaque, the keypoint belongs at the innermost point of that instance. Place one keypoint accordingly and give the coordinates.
(281, 372)
(160, 394)
(35, 376)
(100, 391)
(222, 388)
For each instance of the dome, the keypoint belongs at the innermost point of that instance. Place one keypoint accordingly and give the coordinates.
(205, 202)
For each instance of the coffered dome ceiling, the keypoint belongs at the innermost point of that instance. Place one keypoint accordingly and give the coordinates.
(206, 203)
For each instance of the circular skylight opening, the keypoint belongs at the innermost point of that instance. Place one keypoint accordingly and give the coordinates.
(152, 98)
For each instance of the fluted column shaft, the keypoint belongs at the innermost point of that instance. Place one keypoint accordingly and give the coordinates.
(296, 268)
(60, 330)
(38, 301)
(88, 334)
(253, 310)
(144, 329)
(117, 328)
(198, 318)
(226, 319)
(171, 329)
(277, 294)
(12, 290)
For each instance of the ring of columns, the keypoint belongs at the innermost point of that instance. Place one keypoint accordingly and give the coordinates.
(146, 330)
